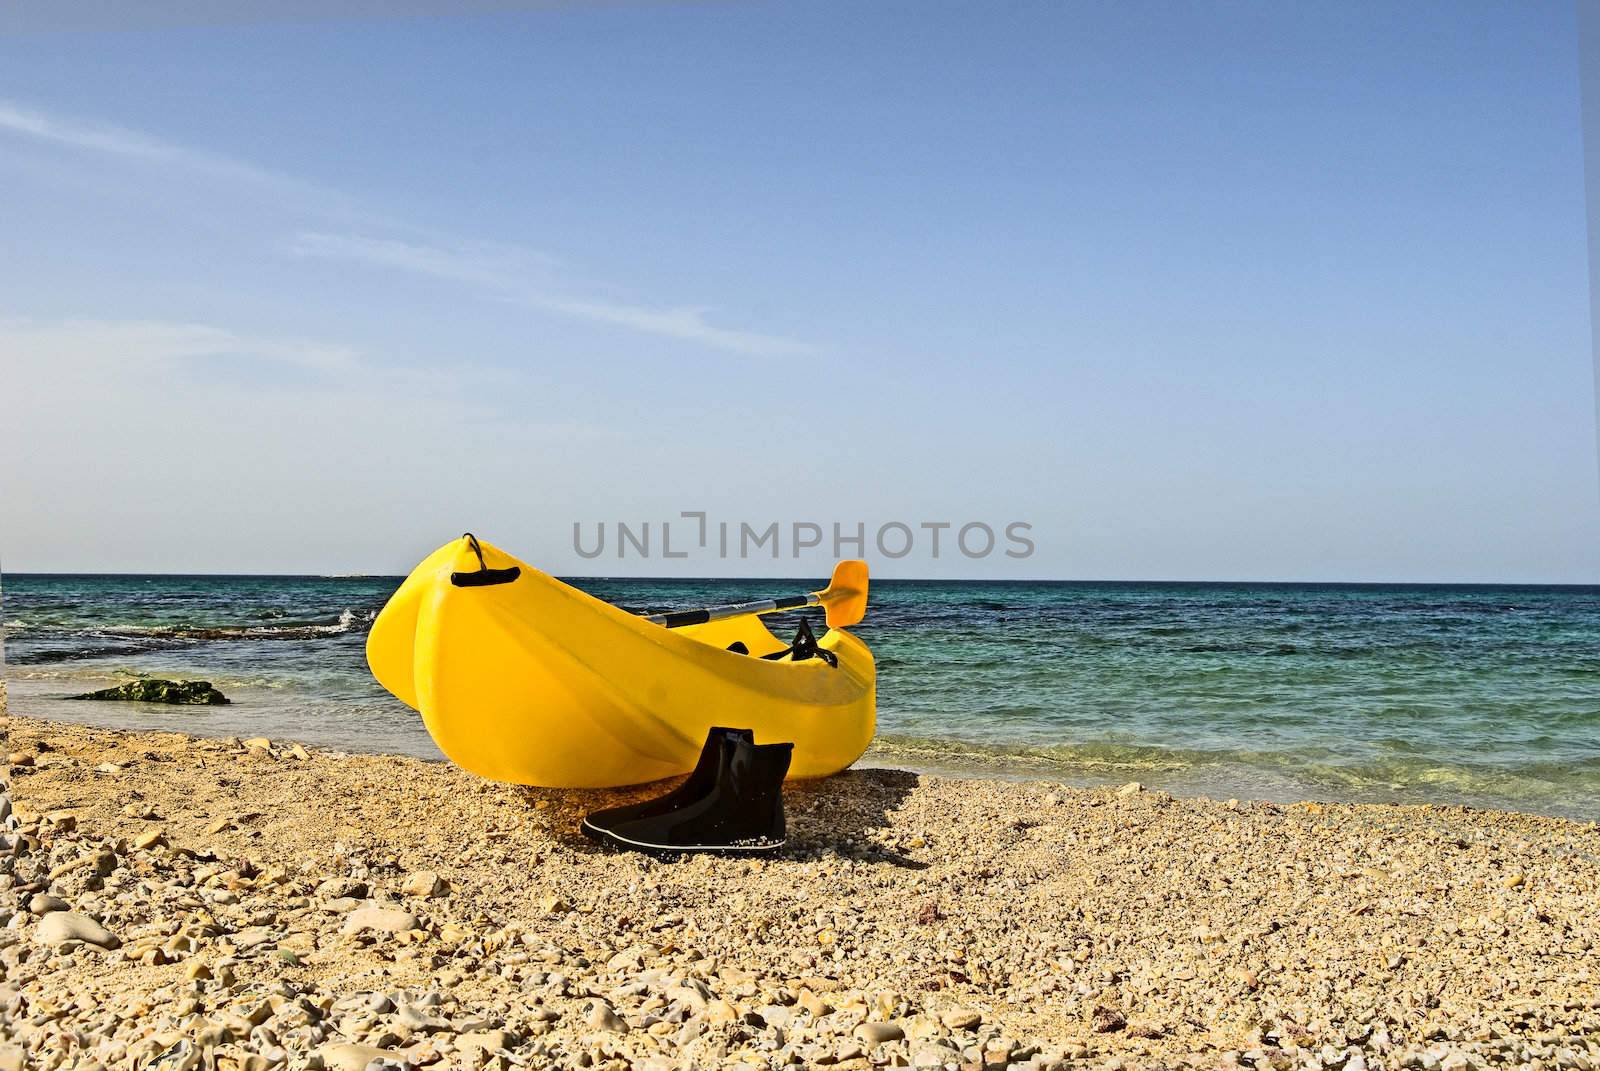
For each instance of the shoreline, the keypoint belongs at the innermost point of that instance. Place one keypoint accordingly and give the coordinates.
(273, 903)
(1285, 693)
(257, 710)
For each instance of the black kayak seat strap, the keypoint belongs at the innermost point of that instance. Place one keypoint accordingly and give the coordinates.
(804, 648)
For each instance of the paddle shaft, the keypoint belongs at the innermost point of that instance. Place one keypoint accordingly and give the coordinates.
(679, 618)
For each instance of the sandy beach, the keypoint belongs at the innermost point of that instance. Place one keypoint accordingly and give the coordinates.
(180, 902)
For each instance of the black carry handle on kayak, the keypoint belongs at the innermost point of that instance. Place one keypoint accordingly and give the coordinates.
(483, 576)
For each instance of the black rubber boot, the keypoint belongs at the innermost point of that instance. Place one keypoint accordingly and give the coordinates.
(742, 813)
(697, 784)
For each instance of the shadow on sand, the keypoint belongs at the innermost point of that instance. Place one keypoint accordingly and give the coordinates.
(834, 816)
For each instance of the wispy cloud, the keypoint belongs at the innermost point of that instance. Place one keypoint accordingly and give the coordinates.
(136, 343)
(134, 146)
(477, 264)
(523, 278)
(150, 363)
(507, 273)
(20, 120)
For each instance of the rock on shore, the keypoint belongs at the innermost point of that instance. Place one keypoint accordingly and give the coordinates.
(313, 911)
(151, 690)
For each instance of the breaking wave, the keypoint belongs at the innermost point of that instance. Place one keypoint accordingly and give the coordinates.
(142, 638)
(348, 621)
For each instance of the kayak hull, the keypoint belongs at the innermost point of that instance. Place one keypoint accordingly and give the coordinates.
(534, 682)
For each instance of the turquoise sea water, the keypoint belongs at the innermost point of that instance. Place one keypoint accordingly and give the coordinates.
(1480, 695)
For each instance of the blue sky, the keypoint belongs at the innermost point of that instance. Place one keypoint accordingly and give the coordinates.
(1240, 291)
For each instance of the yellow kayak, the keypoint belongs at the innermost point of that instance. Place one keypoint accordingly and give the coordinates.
(522, 678)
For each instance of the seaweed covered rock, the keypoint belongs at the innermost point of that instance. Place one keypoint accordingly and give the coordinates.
(194, 693)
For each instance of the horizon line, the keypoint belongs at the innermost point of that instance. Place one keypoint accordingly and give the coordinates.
(880, 580)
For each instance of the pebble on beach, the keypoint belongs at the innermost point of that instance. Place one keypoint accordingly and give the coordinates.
(424, 883)
(44, 903)
(378, 918)
(59, 927)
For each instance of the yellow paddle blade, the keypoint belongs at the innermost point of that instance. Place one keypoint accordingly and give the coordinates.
(845, 597)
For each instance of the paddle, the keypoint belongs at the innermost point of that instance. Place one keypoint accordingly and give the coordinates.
(844, 599)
